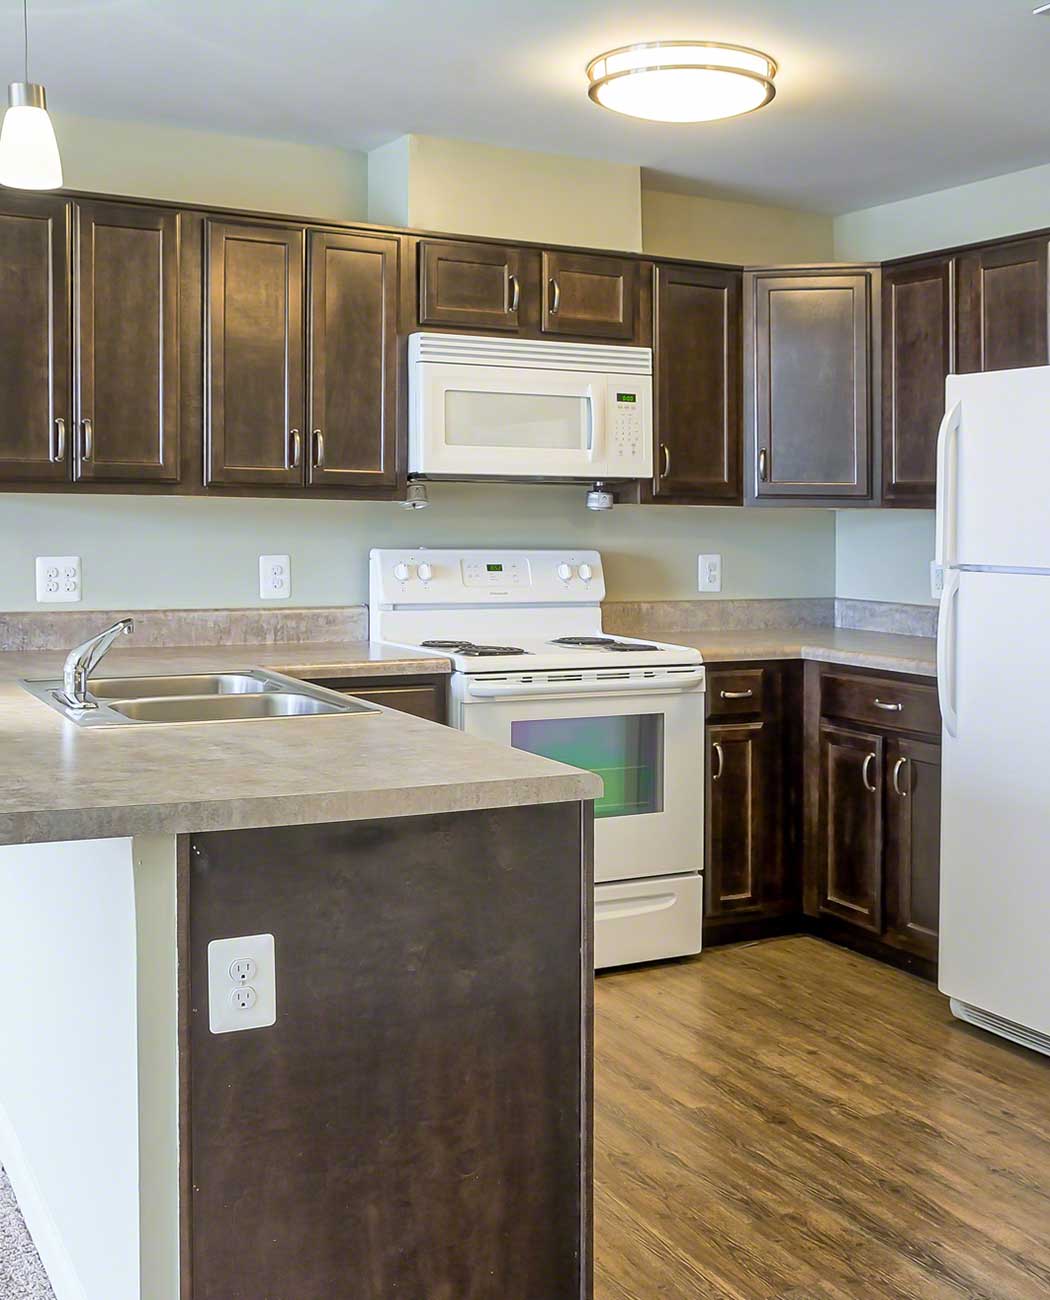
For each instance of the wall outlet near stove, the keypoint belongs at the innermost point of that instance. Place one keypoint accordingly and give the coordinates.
(275, 577)
(58, 578)
(242, 984)
(709, 574)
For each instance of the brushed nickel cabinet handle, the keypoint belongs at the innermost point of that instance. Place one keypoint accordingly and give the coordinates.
(720, 755)
(887, 706)
(556, 289)
(736, 695)
(763, 465)
(297, 449)
(87, 445)
(318, 449)
(868, 785)
(665, 451)
(897, 768)
(58, 441)
(514, 287)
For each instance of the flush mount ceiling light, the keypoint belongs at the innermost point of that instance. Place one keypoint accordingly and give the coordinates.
(28, 149)
(682, 81)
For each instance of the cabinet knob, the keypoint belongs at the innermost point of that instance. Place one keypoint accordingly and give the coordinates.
(665, 451)
(297, 448)
(318, 449)
(869, 785)
(887, 706)
(58, 442)
(898, 767)
(87, 444)
(763, 465)
(513, 293)
(556, 296)
(720, 755)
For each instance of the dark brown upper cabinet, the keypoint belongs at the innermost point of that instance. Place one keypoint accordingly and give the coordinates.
(1002, 306)
(851, 830)
(254, 412)
(918, 352)
(126, 342)
(35, 405)
(353, 357)
(584, 294)
(696, 362)
(470, 286)
(808, 398)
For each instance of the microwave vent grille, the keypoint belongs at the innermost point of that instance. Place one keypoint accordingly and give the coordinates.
(531, 354)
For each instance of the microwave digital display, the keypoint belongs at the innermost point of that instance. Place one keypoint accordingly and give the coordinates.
(627, 397)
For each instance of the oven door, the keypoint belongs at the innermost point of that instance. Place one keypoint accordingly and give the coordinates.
(647, 745)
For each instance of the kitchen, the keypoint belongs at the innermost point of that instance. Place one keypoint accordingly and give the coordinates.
(700, 424)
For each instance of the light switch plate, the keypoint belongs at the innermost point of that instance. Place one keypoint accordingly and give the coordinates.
(275, 577)
(231, 1004)
(709, 576)
(58, 578)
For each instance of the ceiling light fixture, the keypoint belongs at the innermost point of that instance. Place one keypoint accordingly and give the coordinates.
(29, 157)
(682, 81)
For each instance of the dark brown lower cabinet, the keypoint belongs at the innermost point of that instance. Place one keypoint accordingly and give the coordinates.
(851, 826)
(423, 696)
(913, 844)
(738, 819)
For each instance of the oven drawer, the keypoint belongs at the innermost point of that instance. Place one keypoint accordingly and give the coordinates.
(734, 692)
(883, 701)
(646, 920)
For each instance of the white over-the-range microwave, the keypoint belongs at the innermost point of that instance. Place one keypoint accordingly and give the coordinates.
(484, 407)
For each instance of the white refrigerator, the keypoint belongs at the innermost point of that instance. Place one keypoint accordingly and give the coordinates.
(993, 647)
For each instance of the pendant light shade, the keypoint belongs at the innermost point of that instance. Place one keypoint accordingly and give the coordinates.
(29, 157)
(682, 81)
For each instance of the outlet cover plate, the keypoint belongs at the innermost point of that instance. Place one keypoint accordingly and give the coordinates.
(58, 578)
(275, 577)
(224, 1016)
(709, 573)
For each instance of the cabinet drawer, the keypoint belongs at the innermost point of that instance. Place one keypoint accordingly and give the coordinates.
(905, 706)
(734, 692)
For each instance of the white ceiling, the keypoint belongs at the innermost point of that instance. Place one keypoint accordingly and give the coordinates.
(875, 101)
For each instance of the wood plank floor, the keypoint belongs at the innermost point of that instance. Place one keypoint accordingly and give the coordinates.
(787, 1119)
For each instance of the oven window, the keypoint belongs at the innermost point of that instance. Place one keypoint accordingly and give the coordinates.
(626, 751)
(539, 420)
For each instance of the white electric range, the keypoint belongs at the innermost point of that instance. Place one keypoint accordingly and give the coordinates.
(532, 668)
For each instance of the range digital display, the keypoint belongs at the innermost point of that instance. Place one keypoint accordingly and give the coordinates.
(493, 568)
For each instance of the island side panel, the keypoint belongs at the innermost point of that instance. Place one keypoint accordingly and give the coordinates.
(417, 1122)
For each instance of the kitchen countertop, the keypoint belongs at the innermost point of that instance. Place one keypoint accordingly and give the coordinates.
(62, 782)
(837, 645)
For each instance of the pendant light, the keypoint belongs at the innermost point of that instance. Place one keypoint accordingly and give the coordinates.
(28, 149)
(682, 81)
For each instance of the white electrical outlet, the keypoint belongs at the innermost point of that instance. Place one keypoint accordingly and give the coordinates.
(58, 578)
(275, 577)
(242, 984)
(710, 573)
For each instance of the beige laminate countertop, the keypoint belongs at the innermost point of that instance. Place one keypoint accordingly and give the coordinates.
(884, 650)
(59, 781)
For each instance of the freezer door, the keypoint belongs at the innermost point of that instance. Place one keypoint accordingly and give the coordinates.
(995, 820)
(994, 471)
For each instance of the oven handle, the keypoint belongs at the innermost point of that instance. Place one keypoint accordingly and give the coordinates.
(609, 686)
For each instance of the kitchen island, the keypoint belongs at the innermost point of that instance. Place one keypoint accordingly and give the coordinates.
(416, 1119)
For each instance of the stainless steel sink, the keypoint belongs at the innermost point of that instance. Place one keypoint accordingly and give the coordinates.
(197, 697)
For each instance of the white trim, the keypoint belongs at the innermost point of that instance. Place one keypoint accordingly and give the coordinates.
(44, 1231)
(532, 354)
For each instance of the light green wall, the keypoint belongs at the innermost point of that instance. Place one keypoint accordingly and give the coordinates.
(186, 552)
(988, 209)
(718, 230)
(149, 160)
(884, 555)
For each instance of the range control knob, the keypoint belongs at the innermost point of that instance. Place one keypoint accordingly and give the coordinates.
(402, 571)
(586, 572)
(564, 571)
(424, 572)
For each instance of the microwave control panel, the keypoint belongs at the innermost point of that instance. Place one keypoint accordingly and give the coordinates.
(628, 404)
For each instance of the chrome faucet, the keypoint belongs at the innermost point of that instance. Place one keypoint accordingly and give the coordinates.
(82, 661)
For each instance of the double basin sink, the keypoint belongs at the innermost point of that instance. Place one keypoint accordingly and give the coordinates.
(204, 697)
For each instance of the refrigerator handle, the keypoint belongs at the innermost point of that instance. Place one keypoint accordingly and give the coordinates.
(947, 439)
(946, 655)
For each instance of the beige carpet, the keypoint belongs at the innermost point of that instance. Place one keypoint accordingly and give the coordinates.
(22, 1276)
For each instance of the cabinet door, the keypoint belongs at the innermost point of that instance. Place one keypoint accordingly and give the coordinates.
(1002, 307)
(811, 386)
(353, 360)
(917, 354)
(254, 354)
(697, 373)
(851, 765)
(913, 844)
(34, 359)
(472, 286)
(596, 296)
(737, 817)
(127, 343)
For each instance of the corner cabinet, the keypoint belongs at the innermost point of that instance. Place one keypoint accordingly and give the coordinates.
(809, 387)
(697, 343)
(1002, 306)
(300, 391)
